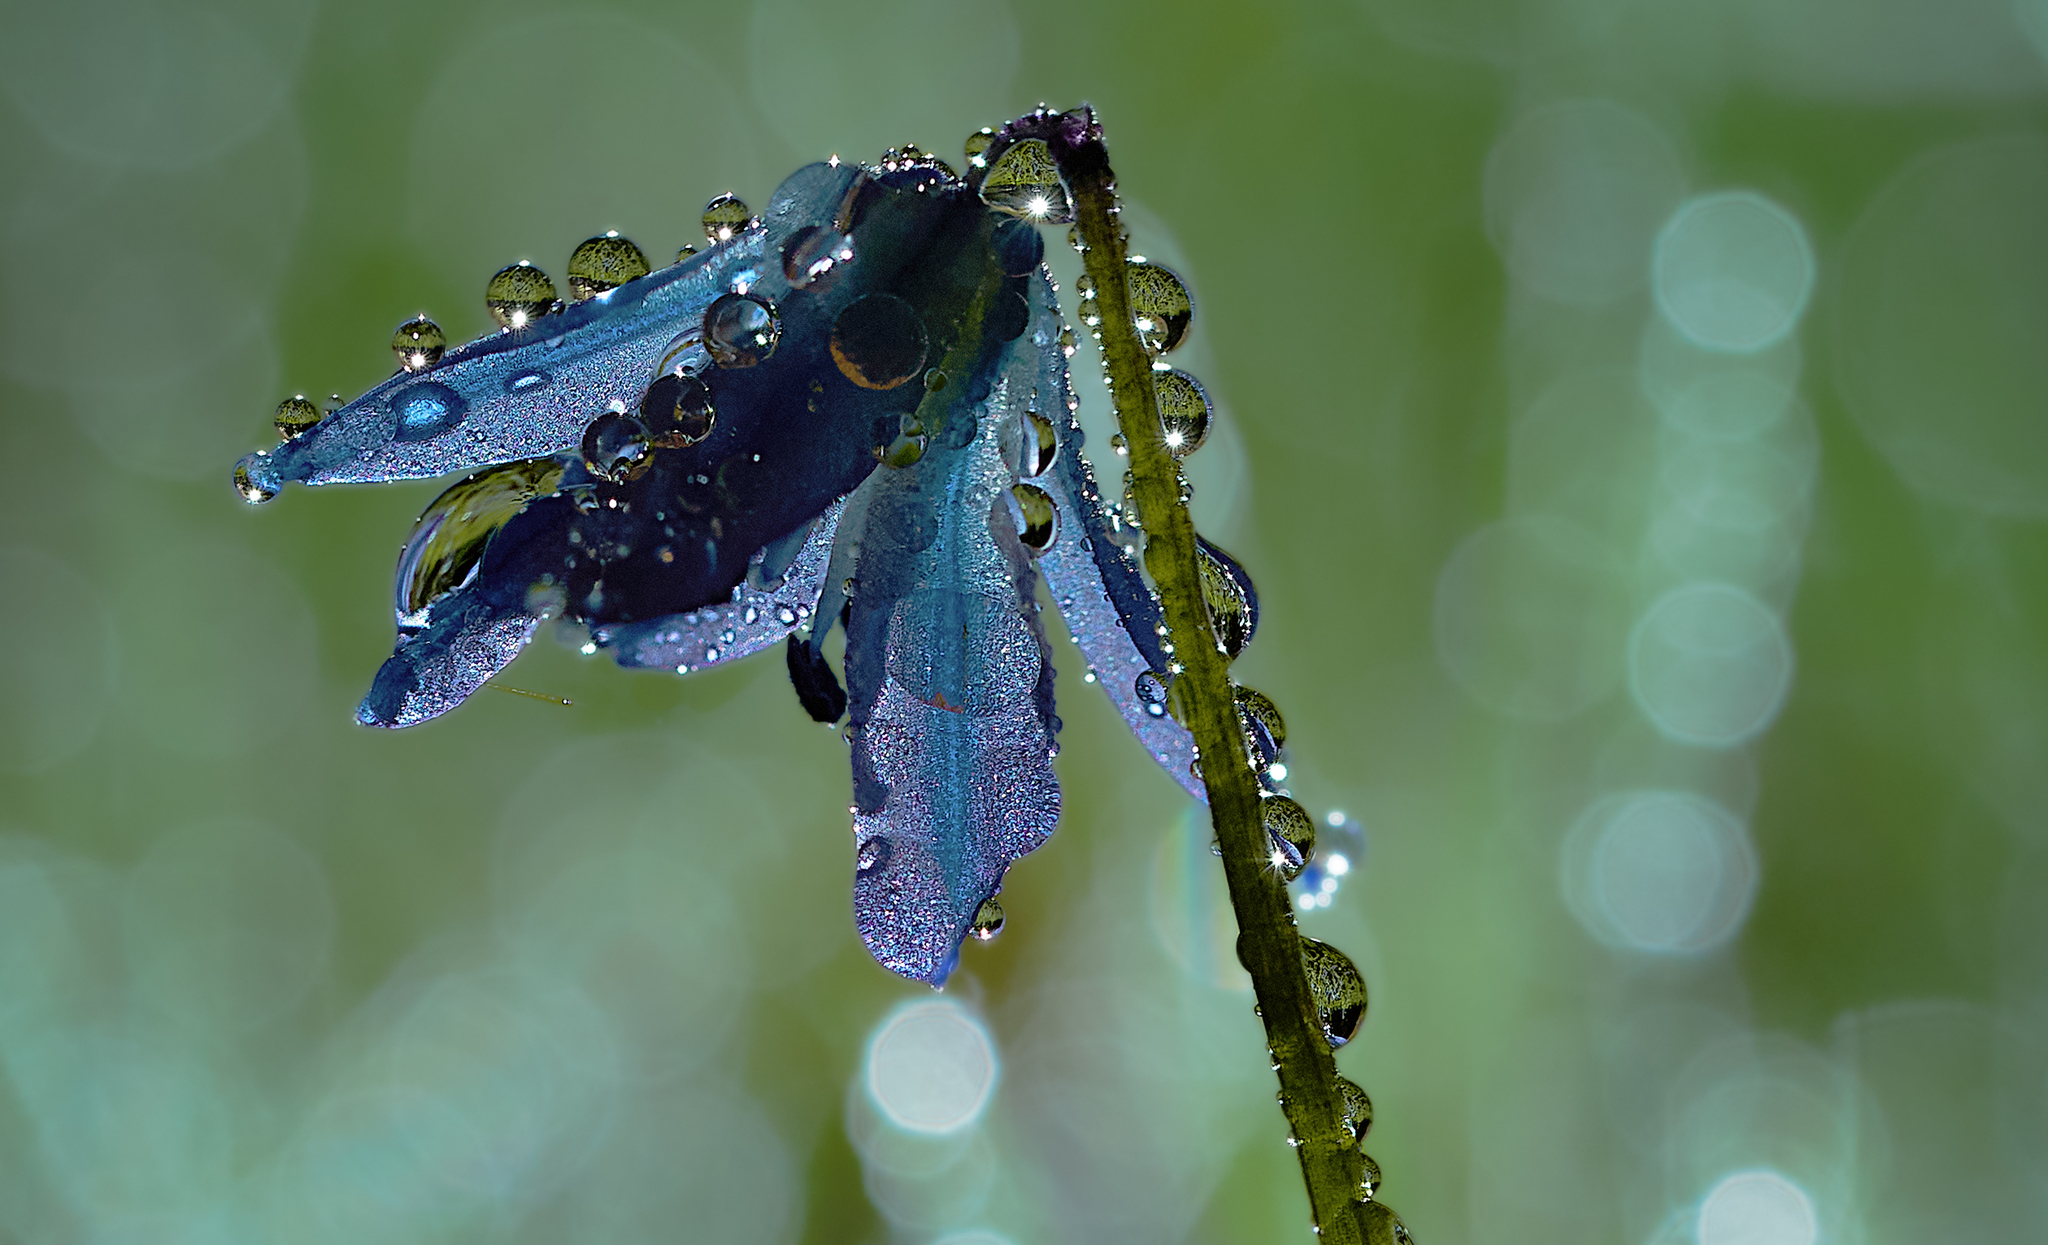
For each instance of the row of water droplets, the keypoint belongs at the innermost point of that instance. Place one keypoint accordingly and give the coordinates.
(1026, 176)
(739, 330)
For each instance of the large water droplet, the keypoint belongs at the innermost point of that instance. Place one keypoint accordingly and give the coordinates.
(448, 540)
(1183, 411)
(1233, 611)
(1036, 517)
(879, 342)
(1336, 988)
(245, 484)
(518, 295)
(1292, 831)
(425, 409)
(1024, 181)
(616, 447)
(740, 330)
(1369, 1180)
(1380, 1225)
(872, 855)
(419, 344)
(725, 216)
(1018, 247)
(294, 415)
(987, 922)
(605, 262)
(1263, 725)
(1160, 307)
(677, 411)
(812, 253)
(1357, 1108)
(1041, 443)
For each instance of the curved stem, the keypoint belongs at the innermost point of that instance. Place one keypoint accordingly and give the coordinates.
(1268, 944)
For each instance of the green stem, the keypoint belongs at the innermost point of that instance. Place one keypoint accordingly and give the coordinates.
(1268, 944)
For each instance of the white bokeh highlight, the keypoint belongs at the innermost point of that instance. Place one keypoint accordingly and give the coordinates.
(1732, 271)
(931, 1068)
(1664, 872)
(1709, 665)
(1757, 1208)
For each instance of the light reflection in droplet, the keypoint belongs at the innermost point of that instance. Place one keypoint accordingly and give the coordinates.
(931, 1067)
(1757, 1207)
(1732, 271)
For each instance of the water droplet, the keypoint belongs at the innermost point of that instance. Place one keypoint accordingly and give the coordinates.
(426, 409)
(786, 616)
(1263, 724)
(908, 445)
(1036, 517)
(987, 922)
(294, 415)
(740, 330)
(1369, 1182)
(812, 252)
(245, 484)
(419, 344)
(1018, 247)
(1024, 181)
(1293, 833)
(1183, 411)
(1336, 989)
(1151, 691)
(616, 446)
(448, 540)
(934, 380)
(725, 216)
(677, 411)
(605, 262)
(1233, 612)
(518, 295)
(1041, 443)
(977, 143)
(1160, 307)
(684, 252)
(879, 342)
(1357, 1109)
(873, 855)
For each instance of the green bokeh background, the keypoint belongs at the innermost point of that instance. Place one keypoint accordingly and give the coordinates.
(538, 974)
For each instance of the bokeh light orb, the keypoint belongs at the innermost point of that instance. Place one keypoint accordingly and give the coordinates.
(1732, 271)
(1709, 664)
(1757, 1207)
(931, 1067)
(1667, 872)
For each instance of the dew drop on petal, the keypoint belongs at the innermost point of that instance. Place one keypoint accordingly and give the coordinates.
(740, 330)
(519, 294)
(615, 446)
(602, 263)
(448, 539)
(725, 216)
(252, 492)
(873, 854)
(879, 342)
(1037, 518)
(418, 344)
(294, 415)
(1040, 445)
(987, 922)
(678, 411)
